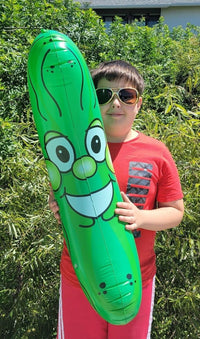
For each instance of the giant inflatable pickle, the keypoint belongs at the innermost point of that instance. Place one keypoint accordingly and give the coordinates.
(71, 134)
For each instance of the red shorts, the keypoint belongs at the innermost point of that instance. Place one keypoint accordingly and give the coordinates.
(78, 320)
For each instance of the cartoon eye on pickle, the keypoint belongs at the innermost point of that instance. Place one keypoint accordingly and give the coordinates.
(72, 138)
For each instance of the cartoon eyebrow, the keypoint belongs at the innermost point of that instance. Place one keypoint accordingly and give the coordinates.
(36, 97)
(42, 77)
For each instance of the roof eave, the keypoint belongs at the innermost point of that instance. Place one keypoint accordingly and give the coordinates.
(144, 6)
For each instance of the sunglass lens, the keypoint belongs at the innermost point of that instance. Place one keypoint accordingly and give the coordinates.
(103, 95)
(128, 95)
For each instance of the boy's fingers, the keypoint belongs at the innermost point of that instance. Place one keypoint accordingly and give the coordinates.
(57, 216)
(125, 198)
(54, 206)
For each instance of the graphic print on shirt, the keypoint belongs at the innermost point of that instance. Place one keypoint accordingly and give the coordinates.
(139, 180)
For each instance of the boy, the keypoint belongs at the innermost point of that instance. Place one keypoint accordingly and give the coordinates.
(152, 201)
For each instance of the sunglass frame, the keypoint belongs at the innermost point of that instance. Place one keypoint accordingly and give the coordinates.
(115, 91)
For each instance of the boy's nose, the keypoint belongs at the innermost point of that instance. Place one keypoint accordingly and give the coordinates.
(115, 99)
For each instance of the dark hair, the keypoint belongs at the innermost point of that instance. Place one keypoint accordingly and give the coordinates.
(118, 69)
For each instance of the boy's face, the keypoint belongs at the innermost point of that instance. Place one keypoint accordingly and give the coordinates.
(118, 117)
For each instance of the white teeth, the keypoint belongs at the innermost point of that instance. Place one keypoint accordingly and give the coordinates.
(92, 205)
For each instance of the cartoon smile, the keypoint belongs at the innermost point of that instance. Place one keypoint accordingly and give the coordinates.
(94, 204)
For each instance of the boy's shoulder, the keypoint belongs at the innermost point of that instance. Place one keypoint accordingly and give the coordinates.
(153, 146)
(151, 143)
(151, 140)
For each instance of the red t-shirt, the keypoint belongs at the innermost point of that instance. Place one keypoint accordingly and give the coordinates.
(147, 173)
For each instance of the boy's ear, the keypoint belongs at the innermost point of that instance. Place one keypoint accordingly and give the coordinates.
(139, 103)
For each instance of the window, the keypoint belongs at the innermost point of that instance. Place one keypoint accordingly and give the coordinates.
(150, 15)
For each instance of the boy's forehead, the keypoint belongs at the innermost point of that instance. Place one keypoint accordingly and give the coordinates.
(117, 83)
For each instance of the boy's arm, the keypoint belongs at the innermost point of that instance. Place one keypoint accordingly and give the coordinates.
(54, 206)
(167, 215)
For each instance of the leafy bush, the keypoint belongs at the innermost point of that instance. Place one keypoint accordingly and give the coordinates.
(31, 240)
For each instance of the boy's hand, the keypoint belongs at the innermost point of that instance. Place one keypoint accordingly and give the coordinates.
(128, 213)
(54, 206)
(167, 215)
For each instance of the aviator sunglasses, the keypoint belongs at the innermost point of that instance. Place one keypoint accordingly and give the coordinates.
(128, 96)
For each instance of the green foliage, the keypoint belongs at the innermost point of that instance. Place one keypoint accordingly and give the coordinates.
(176, 311)
(31, 240)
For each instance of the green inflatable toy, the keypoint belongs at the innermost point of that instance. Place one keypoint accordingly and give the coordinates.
(72, 138)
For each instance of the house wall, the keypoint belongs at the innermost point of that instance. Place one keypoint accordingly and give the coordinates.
(176, 16)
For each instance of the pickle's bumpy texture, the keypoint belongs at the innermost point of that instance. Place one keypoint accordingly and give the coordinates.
(72, 138)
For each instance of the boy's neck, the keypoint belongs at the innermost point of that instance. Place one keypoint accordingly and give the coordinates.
(117, 139)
